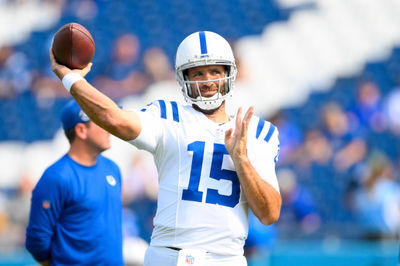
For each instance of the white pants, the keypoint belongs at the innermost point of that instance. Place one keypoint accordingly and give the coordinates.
(162, 256)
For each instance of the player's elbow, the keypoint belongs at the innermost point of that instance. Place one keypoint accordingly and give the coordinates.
(270, 218)
(117, 124)
(271, 214)
(117, 128)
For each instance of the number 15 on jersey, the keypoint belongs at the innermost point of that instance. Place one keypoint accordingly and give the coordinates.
(192, 193)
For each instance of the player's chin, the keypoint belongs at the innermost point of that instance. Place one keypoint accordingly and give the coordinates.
(208, 94)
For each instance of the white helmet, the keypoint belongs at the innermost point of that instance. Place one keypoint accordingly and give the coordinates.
(205, 48)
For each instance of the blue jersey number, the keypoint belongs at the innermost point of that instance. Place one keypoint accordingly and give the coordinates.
(192, 193)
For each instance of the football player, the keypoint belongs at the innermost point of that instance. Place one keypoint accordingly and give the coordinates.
(212, 167)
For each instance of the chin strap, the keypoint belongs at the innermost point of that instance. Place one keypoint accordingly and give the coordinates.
(209, 103)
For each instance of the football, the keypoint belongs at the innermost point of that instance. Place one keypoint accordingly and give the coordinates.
(73, 46)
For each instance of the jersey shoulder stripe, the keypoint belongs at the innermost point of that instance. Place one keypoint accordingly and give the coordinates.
(165, 109)
(261, 129)
(270, 132)
(175, 113)
(260, 126)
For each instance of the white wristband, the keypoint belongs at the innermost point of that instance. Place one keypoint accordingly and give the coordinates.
(69, 80)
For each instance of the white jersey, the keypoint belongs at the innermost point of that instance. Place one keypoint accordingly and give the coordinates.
(200, 203)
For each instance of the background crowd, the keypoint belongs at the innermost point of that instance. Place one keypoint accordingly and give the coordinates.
(339, 164)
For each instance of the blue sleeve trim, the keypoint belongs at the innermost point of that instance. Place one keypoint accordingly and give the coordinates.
(175, 113)
(260, 127)
(270, 132)
(163, 109)
(276, 158)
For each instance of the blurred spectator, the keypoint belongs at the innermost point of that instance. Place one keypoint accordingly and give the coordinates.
(19, 72)
(350, 155)
(316, 149)
(14, 212)
(367, 111)
(376, 202)
(157, 66)
(7, 238)
(134, 247)
(298, 204)
(15, 73)
(21, 202)
(392, 109)
(140, 192)
(126, 54)
(86, 10)
(335, 122)
(46, 89)
(142, 181)
(124, 75)
(290, 138)
(6, 88)
(348, 149)
(130, 224)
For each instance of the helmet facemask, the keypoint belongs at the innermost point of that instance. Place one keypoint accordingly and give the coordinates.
(212, 50)
(208, 103)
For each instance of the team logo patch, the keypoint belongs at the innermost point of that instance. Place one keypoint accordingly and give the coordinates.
(277, 154)
(189, 259)
(84, 116)
(111, 180)
(46, 204)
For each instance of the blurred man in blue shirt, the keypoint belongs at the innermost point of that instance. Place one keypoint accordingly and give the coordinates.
(76, 208)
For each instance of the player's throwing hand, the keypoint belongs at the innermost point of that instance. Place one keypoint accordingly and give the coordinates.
(61, 70)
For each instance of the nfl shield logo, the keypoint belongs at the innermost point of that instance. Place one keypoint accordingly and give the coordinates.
(46, 204)
(189, 259)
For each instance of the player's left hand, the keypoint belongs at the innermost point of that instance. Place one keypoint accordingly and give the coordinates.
(236, 141)
(61, 70)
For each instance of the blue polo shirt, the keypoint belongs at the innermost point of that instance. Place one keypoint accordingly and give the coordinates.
(76, 213)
